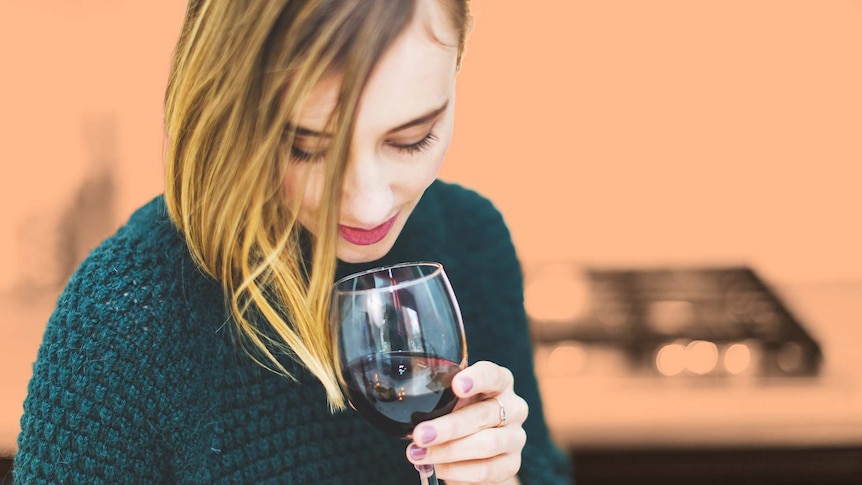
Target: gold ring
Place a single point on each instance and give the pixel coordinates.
(502, 413)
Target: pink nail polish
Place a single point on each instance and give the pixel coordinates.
(466, 384)
(427, 434)
(417, 453)
(425, 470)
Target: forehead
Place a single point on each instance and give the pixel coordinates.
(415, 75)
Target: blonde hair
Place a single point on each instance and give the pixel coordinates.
(239, 71)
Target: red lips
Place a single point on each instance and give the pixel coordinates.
(366, 237)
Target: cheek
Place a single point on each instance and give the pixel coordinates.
(416, 175)
(435, 162)
(434, 168)
(428, 165)
(303, 192)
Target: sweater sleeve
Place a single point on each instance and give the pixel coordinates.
(491, 287)
(88, 417)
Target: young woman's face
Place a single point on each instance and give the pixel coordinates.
(403, 129)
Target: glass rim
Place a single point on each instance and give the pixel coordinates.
(438, 269)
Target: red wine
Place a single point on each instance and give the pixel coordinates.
(395, 391)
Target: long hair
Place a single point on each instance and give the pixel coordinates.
(240, 70)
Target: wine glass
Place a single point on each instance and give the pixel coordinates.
(399, 340)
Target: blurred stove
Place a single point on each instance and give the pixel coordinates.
(674, 322)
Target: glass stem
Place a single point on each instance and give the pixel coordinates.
(428, 477)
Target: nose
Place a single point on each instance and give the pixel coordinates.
(367, 199)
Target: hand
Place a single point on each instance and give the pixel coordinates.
(473, 444)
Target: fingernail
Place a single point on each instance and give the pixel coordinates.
(466, 384)
(417, 453)
(427, 434)
(425, 470)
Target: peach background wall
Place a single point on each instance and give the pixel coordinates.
(608, 132)
(646, 131)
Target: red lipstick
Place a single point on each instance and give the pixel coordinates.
(366, 237)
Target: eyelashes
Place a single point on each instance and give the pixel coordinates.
(419, 146)
(301, 156)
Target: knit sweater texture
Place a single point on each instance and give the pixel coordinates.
(138, 379)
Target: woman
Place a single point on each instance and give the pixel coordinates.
(192, 346)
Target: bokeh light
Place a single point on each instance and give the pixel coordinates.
(671, 359)
(737, 358)
(567, 359)
(670, 316)
(701, 357)
(791, 358)
(556, 293)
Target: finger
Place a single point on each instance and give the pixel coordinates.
(472, 418)
(483, 445)
(493, 470)
(482, 378)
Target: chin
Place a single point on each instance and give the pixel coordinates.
(351, 253)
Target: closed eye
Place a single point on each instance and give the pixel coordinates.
(299, 155)
(417, 147)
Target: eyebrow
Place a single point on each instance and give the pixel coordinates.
(425, 118)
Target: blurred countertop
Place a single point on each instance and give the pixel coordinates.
(618, 411)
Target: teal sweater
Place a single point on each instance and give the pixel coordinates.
(137, 379)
